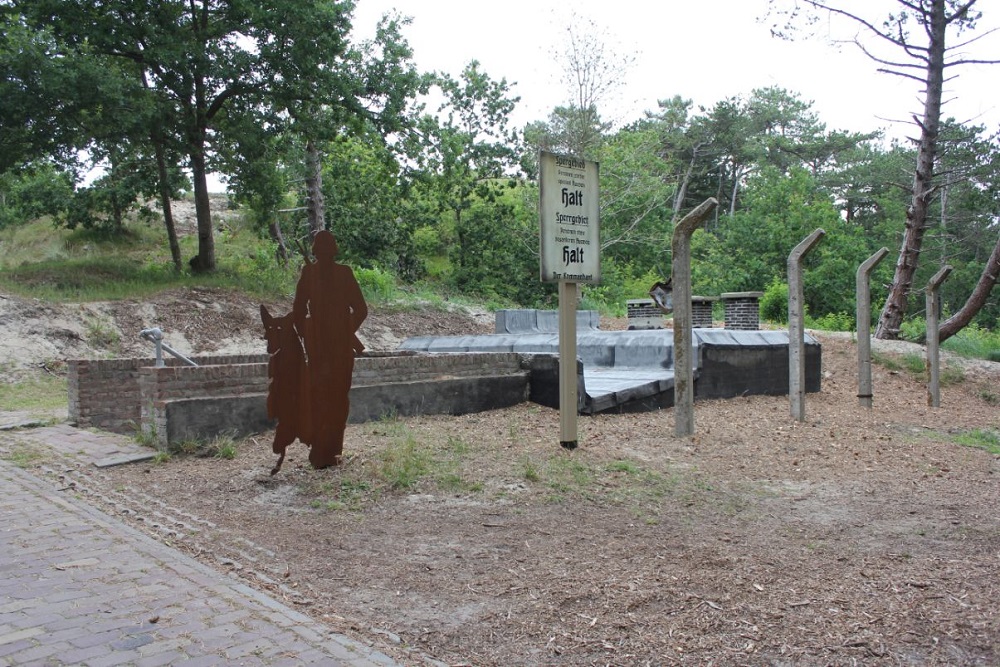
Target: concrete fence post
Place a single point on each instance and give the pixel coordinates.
(683, 348)
(864, 324)
(796, 326)
(933, 357)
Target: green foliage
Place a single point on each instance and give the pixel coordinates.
(436, 198)
(986, 439)
(913, 329)
(377, 286)
(774, 302)
(780, 210)
(974, 341)
(619, 283)
(831, 322)
(39, 190)
(362, 190)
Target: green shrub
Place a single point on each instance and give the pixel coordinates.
(832, 322)
(913, 330)
(774, 302)
(377, 285)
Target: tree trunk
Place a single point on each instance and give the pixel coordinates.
(916, 214)
(168, 212)
(682, 189)
(976, 300)
(275, 230)
(315, 205)
(205, 259)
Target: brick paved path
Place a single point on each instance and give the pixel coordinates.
(80, 588)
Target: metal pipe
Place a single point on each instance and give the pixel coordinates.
(155, 335)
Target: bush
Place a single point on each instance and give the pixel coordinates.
(774, 302)
(913, 330)
(377, 286)
(832, 322)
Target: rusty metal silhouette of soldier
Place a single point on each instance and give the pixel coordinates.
(327, 312)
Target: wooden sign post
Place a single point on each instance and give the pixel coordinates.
(569, 214)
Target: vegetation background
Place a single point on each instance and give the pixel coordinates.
(421, 176)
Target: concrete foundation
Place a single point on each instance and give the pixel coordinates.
(617, 371)
(633, 370)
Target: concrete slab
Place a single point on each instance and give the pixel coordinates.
(623, 367)
(123, 459)
(530, 320)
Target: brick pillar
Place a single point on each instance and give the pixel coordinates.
(643, 314)
(701, 311)
(742, 310)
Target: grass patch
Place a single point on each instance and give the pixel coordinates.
(348, 487)
(102, 334)
(951, 374)
(915, 365)
(55, 264)
(404, 463)
(986, 439)
(45, 392)
(222, 447)
(24, 455)
(910, 362)
(529, 470)
(621, 481)
(989, 396)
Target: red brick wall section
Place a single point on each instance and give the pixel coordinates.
(105, 393)
(129, 395)
(102, 393)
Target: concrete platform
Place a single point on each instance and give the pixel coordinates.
(631, 370)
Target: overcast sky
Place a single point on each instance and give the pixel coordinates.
(705, 50)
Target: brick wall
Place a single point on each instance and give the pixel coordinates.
(158, 386)
(129, 395)
(104, 393)
(742, 310)
(643, 314)
(701, 311)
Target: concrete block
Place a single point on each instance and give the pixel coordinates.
(522, 320)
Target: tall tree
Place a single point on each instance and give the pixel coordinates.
(966, 222)
(469, 151)
(924, 54)
(205, 59)
(593, 71)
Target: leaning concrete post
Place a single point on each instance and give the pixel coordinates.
(683, 349)
(933, 358)
(864, 320)
(796, 326)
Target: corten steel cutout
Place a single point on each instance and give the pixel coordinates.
(312, 353)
